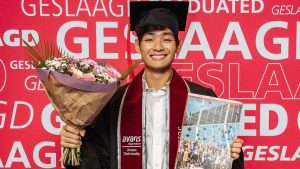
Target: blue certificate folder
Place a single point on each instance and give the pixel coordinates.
(209, 126)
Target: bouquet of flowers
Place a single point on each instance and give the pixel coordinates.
(78, 88)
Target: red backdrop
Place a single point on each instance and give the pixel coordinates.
(246, 50)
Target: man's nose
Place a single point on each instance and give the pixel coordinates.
(158, 46)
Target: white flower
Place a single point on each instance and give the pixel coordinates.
(76, 73)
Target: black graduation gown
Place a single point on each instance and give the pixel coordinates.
(99, 146)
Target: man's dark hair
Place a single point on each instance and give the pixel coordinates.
(141, 31)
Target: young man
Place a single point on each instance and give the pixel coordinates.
(139, 126)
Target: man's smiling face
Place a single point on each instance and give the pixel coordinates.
(158, 49)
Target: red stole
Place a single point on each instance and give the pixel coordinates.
(131, 135)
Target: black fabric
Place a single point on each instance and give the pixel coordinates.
(99, 146)
(169, 14)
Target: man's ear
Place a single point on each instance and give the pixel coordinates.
(179, 46)
(137, 46)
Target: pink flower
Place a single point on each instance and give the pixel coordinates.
(112, 72)
(89, 77)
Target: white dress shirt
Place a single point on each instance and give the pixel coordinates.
(157, 128)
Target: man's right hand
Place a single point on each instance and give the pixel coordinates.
(71, 137)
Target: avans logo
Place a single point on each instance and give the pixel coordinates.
(2, 75)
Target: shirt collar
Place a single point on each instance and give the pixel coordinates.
(146, 87)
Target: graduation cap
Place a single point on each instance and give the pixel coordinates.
(169, 14)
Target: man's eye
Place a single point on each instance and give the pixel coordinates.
(148, 40)
(168, 40)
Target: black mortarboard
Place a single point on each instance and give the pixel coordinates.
(169, 14)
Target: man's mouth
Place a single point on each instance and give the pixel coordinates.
(158, 57)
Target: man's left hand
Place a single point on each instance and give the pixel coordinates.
(235, 148)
